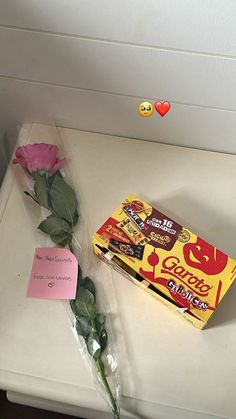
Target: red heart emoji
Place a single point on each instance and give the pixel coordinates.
(162, 107)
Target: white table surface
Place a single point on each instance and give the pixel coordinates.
(169, 369)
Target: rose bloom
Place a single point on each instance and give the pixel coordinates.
(33, 157)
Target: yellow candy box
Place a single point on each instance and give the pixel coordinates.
(176, 266)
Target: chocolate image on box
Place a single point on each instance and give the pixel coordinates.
(131, 250)
(133, 232)
(135, 218)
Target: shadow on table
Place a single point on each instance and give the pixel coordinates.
(226, 313)
(9, 410)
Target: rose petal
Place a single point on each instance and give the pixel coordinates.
(57, 166)
(41, 156)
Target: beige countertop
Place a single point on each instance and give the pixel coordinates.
(169, 369)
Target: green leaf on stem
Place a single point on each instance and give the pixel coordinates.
(87, 283)
(93, 345)
(58, 229)
(54, 225)
(63, 200)
(103, 337)
(50, 179)
(100, 318)
(84, 325)
(102, 334)
(84, 304)
(62, 239)
(78, 329)
(99, 322)
(72, 304)
(75, 218)
(41, 188)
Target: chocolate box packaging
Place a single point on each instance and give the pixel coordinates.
(169, 261)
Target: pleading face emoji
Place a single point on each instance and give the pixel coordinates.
(145, 109)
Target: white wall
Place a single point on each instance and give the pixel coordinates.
(88, 64)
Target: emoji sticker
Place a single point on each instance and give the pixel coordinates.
(162, 107)
(145, 109)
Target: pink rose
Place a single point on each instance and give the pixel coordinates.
(33, 157)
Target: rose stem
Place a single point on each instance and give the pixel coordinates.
(100, 367)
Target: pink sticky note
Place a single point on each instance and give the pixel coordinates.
(54, 274)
